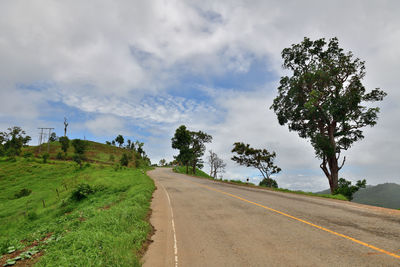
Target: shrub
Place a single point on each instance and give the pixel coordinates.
(64, 141)
(28, 155)
(45, 156)
(346, 189)
(23, 193)
(124, 160)
(59, 156)
(32, 216)
(112, 158)
(81, 192)
(268, 182)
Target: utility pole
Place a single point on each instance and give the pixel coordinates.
(65, 126)
(42, 137)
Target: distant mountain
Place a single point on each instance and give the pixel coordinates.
(382, 195)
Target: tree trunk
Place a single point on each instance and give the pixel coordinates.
(194, 167)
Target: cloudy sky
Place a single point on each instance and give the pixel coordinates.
(142, 68)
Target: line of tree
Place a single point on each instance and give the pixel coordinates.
(134, 147)
(191, 146)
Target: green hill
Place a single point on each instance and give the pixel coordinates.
(382, 195)
(95, 153)
(56, 214)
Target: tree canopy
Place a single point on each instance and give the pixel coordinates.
(324, 100)
(260, 159)
(12, 141)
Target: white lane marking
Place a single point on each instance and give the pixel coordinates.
(173, 228)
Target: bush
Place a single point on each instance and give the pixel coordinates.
(64, 141)
(59, 156)
(346, 189)
(45, 156)
(28, 155)
(23, 193)
(124, 160)
(32, 216)
(112, 158)
(268, 182)
(81, 192)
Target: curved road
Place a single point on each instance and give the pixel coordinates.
(200, 222)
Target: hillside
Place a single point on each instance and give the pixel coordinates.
(56, 214)
(382, 195)
(96, 153)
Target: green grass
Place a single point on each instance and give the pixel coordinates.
(95, 153)
(200, 173)
(108, 228)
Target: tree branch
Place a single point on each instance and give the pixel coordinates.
(344, 159)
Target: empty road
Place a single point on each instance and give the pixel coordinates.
(200, 222)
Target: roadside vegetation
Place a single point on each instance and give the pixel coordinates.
(201, 174)
(64, 211)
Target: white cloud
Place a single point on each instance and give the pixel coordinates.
(116, 60)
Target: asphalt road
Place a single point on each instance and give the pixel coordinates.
(200, 222)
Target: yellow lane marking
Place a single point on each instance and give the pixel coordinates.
(303, 221)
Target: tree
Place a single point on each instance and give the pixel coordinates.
(80, 148)
(11, 142)
(346, 189)
(53, 137)
(124, 160)
(268, 182)
(324, 100)
(120, 140)
(64, 141)
(181, 141)
(260, 159)
(162, 162)
(216, 164)
(197, 149)
(140, 150)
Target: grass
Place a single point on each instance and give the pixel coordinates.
(95, 153)
(108, 228)
(200, 173)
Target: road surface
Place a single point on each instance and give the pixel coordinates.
(200, 222)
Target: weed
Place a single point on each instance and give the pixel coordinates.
(23, 193)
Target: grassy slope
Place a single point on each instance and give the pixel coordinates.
(96, 152)
(106, 229)
(200, 173)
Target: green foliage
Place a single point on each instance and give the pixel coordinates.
(324, 100)
(268, 182)
(197, 173)
(124, 160)
(23, 193)
(260, 159)
(64, 141)
(112, 158)
(45, 157)
(191, 146)
(181, 141)
(107, 229)
(53, 137)
(346, 189)
(120, 140)
(80, 146)
(59, 156)
(28, 155)
(11, 142)
(81, 192)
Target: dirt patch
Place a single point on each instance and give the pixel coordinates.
(25, 262)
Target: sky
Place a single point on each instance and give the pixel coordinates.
(143, 68)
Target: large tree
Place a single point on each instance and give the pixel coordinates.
(197, 148)
(324, 100)
(181, 141)
(260, 159)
